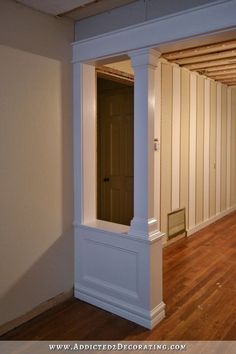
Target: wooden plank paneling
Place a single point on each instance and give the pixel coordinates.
(176, 139)
(184, 141)
(233, 148)
(200, 150)
(223, 148)
(212, 148)
(166, 128)
(192, 150)
(206, 148)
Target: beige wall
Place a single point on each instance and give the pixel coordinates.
(36, 241)
(233, 149)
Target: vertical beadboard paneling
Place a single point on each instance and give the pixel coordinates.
(166, 129)
(223, 163)
(218, 146)
(198, 140)
(233, 149)
(229, 112)
(206, 148)
(192, 151)
(212, 188)
(184, 141)
(200, 150)
(176, 139)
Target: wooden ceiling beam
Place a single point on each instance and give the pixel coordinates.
(206, 49)
(225, 81)
(224, 69)
(208, 57)
(208, 64)
(232, 75)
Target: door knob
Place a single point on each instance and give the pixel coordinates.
(106, 179)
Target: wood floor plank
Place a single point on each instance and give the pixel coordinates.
(199, 292)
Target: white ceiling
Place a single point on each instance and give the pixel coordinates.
(55, 7)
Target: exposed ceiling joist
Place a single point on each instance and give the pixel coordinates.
(206, 49)
(222, 68)
(217, 61)
(224, 75)
(207, 57)
(209, 64)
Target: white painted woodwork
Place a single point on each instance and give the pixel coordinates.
(218, 147)
(120, 274)
(117, 270)
(229, 127)
(220, 16)
(192, 152)
(210, 220)
(144, 63)
(206, 149)
(176, 139)
(84, 143)
(157, 135)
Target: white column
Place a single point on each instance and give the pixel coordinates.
(157, 191)
(144, 223)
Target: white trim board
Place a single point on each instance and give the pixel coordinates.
(213, 17)
(131, 313)
(210, 221)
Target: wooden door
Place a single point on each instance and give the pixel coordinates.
(115, 155)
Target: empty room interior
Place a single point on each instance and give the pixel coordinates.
(118, 170)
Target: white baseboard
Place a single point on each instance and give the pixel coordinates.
(120, 308)
(210, 221)
(58, 299)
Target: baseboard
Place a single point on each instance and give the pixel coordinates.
(210, 221)
(58, 299)
(120, 308)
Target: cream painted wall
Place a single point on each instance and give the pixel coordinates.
(233, 149)
(36, 198)
(216, 188)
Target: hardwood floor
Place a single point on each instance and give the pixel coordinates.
(199, 292)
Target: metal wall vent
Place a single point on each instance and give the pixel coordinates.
(176, 223)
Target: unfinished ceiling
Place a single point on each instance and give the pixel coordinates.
(75, 9)
(217, 61)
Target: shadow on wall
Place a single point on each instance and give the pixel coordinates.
(33, 288)
(36, 211)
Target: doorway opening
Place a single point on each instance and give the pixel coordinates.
(115, 122)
